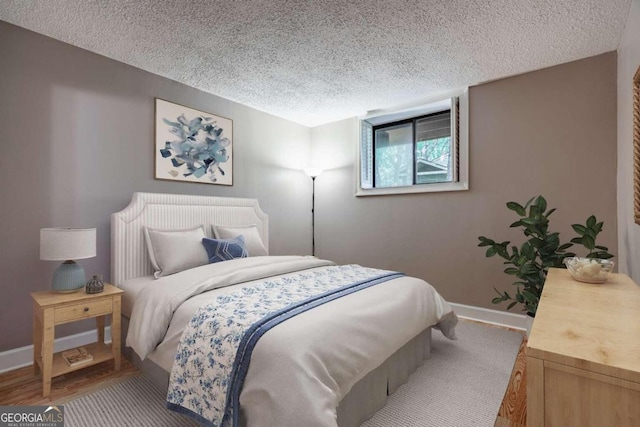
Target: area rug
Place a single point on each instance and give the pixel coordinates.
(133, 402)
(461, 385)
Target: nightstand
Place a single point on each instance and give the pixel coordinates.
(53, 308)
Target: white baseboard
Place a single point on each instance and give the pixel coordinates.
(494, 317)
(23, 356)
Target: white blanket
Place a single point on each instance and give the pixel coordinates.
(156, 303)
(302, 368)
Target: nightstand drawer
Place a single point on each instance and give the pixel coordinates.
(83, 310)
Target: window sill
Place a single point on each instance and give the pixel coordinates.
(423, 188)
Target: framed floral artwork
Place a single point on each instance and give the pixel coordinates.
(192, 145)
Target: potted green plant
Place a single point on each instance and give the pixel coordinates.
(540, 251)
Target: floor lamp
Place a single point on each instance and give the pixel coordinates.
(313, 173)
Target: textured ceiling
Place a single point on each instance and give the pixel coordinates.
(314, 62)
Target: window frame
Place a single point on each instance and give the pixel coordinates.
(413, 121)
(459, 110)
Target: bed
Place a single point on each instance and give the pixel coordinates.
(334, 364)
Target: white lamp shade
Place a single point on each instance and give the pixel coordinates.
(313, 172)
(61, 244)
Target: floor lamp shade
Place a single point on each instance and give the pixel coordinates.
(67, 244)
(313, 172)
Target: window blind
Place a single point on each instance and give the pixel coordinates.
(434, 126)
(366, 155)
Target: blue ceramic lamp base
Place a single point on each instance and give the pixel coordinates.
(69, 277)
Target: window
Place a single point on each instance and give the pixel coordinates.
(420, 150)
(414, 151)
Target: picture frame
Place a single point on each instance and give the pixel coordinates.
(636, 146)
(192, 145)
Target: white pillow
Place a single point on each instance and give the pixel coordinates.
(252, 239)
(172, 251)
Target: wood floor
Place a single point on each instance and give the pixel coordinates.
(22, 387)
(513, 410)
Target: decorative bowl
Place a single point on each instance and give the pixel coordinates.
(589, 270)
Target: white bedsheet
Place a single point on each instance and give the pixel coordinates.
(301, 369)
(132, 289)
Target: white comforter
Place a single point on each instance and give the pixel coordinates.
(302, 368)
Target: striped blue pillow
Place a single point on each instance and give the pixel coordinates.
(225, 249)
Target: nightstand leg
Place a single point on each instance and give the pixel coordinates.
(47, 351)
(100, 326)
(37, 339)
(115, 331)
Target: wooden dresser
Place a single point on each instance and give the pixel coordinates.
(583, 354)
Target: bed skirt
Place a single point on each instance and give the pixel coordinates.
(365, 398)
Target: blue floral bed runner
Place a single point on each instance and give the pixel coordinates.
(215, 349)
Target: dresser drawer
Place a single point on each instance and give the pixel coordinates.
(83, 310)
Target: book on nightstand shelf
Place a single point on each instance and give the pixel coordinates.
(77, 356)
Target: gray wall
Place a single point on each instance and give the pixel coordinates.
(628, 63)
(77, 141)
(550, 132)
(77, 136)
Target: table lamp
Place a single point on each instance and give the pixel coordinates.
(67, 244)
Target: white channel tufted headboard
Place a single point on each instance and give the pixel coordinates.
(129, 257)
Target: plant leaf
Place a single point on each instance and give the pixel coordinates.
(517, 208)
(542, 203)
(536, 243)
(580, 229)
(529, 202)
(564, 247)
(603, 255)
(588, 242)
(529, 297)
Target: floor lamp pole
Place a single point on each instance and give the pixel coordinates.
(313, 173)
